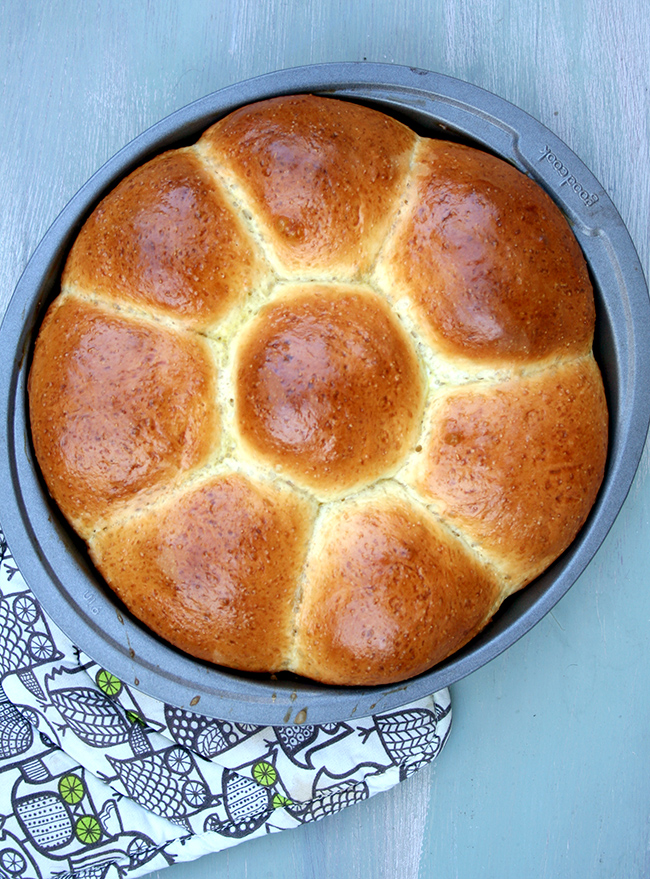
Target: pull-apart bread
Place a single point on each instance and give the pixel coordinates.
(319, 394)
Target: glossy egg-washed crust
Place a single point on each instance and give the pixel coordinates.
(319, 393)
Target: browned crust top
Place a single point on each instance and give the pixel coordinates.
(118, 406)
(314, 370)
(489, 261)
(320, 175)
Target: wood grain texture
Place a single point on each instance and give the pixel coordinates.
(546, 770)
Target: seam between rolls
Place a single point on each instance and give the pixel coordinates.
(473, 548)
(401, 201)
(236, 196)
(290, 663)
(128, 309)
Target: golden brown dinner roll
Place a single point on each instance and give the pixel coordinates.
(214, 569)
(313, 369)
(167, 239)
(516, 465)
(119, 405)
(319, 392)
(320, 179)
(492, 269)
(388, 591)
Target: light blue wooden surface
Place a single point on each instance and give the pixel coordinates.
(547, 771)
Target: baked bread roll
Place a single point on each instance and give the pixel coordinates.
(318, 393)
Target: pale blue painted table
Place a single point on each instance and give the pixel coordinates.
(547, 771)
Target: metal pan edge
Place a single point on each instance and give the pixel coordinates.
(50, 558)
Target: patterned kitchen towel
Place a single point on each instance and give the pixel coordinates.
(99, 780)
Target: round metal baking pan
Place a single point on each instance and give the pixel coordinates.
(52, 559)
